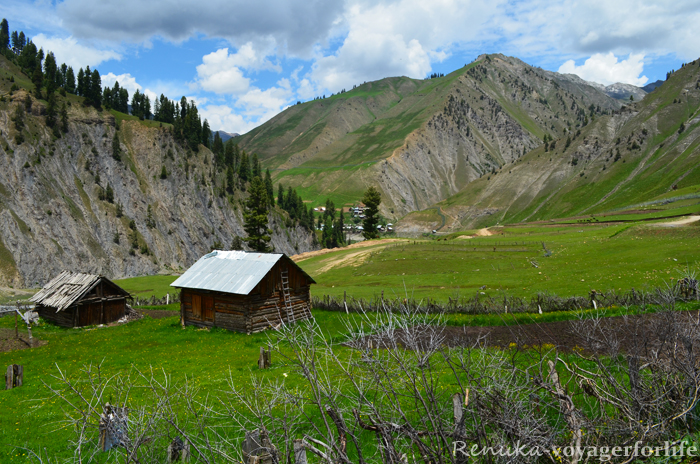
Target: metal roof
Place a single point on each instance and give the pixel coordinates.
(67, 288)
(230, 271)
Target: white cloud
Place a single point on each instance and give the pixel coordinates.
(264, 104)
(128, 82)
(250, 110)
(220, 73)
(606, 69)
(69, 51)
(398, 38)
(222, 117)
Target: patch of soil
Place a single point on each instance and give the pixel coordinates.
(642, 334)
(158, 313)
(485, 232)
(364, 244)
(8, 342)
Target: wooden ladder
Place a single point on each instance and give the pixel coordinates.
(288, 300)
(287, 297)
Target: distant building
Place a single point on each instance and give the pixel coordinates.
(79, 300)
(244, 291)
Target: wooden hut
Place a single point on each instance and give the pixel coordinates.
(244, 291)
(78, 300)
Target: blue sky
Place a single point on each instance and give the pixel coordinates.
(243, 62)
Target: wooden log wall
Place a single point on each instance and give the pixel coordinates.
(247, 313)
(91, 312)
(61, 318)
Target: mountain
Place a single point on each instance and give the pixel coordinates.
(618, 90)
(61, 196)
(650, 87)
(625, 91)
(647, 150)
(227, 135)
(421, 141)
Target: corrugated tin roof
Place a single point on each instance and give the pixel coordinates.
(65, 289)
(229, 271)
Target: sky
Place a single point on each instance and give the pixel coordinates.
(243, 62)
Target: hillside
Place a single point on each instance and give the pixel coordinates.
(67, 203)
(421, 141)
(647, 151)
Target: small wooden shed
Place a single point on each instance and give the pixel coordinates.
(78, 300)
(244, 291)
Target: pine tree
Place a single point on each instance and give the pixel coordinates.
(327, 233)
(244, 168)
(116, 148)
(69, 83)
(51, 110)
(15, 42)
(4, 34)
(22, 41)
(218, 149)
(371, 199)
(64, 118)
(37, 80)
(339, 230)
(255, 166)
(237, 243)
(330, 209)
(150, 222)
(80, 91)
(255, 216)
(50, 72)
(269, 187)
(229, 155)
(206, 134)
(230, 179)
(280, 197)
(109, 194)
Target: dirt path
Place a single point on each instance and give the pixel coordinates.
(680, 222)
(365, 244)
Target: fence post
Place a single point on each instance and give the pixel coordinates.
(299, 452)
(178, 451)
(10, 377)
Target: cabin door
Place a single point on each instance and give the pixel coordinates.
(208, 308)
(197, 306)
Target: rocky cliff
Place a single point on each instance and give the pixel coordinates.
(67, 203)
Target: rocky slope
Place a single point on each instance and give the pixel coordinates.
(421, 141)
(54, 210)
(647, 150)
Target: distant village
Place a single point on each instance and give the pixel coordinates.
(358, 214)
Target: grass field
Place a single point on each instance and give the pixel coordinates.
(583, 257)
(147, 286)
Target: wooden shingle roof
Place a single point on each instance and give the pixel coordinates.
(67, 288)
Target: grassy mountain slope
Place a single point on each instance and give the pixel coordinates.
(633, 156)
(421, 141)
(53, 211)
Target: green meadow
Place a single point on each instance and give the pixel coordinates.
(516, 262)
(571, 259)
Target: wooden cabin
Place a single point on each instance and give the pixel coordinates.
(79, 300)
(244, 291)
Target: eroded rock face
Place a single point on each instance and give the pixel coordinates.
(54, 213)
